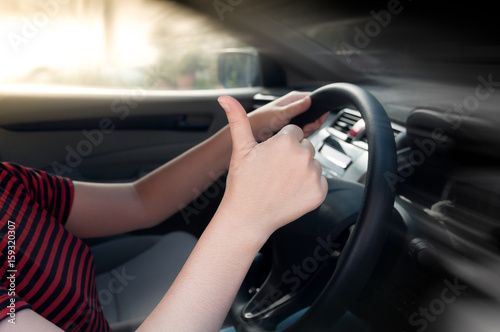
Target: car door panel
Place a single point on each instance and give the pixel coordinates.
(110, 135)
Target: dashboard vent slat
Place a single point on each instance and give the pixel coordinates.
(346, 120)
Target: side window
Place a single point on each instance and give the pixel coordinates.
(159, 45)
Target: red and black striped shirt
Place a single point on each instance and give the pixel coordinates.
(42, 265)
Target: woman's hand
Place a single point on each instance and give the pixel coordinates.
(271, 117)
(269, 185)
(272, 183)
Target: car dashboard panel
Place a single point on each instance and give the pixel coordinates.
(341, 144)
(447, 207)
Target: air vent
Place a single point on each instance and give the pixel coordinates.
(346, 120)
(344, 123)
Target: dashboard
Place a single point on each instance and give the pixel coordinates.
(341, 145)
(447, 206)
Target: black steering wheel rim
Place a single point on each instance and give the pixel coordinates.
(365, 243)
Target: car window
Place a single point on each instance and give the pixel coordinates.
(113, 44)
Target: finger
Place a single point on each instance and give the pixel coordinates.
(323, 182)
(298, 107)
(324, 186)
(317, 166)
(292, 130)
(323, 118)
(292, 97)
(310, 128)
(308, 145)
(239, 125)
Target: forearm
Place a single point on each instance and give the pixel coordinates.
(100, 210)
(203, 292)
(289, 184)
(164, 191)
(107, 209)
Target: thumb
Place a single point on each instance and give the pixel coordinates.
(239, 125)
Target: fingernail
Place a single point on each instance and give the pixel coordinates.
(224, 105)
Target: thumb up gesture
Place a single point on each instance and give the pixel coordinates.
(272, 183)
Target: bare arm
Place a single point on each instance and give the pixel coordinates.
(269, 185)
(27, 320)
(250, 211)
(107, 209)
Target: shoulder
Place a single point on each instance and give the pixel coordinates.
(15, 171)
(31, 177)
(10, 168)
(52, 193)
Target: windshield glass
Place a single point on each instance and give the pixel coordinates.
(115, 44)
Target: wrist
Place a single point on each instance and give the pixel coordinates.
(244, 228)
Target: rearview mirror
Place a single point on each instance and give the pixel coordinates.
(238, 68)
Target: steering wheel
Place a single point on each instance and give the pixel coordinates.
(328, 263)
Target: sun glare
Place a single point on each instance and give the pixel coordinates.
(109, 44)
(57, 41)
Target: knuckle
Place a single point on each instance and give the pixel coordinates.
(286, 138)
(305, 154)
(320, 194)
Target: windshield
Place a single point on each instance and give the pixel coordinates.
(115, 44)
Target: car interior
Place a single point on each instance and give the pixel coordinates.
(408, 238)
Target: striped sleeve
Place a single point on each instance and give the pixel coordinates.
(10, 303)
(54, 193)
(48, 269)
